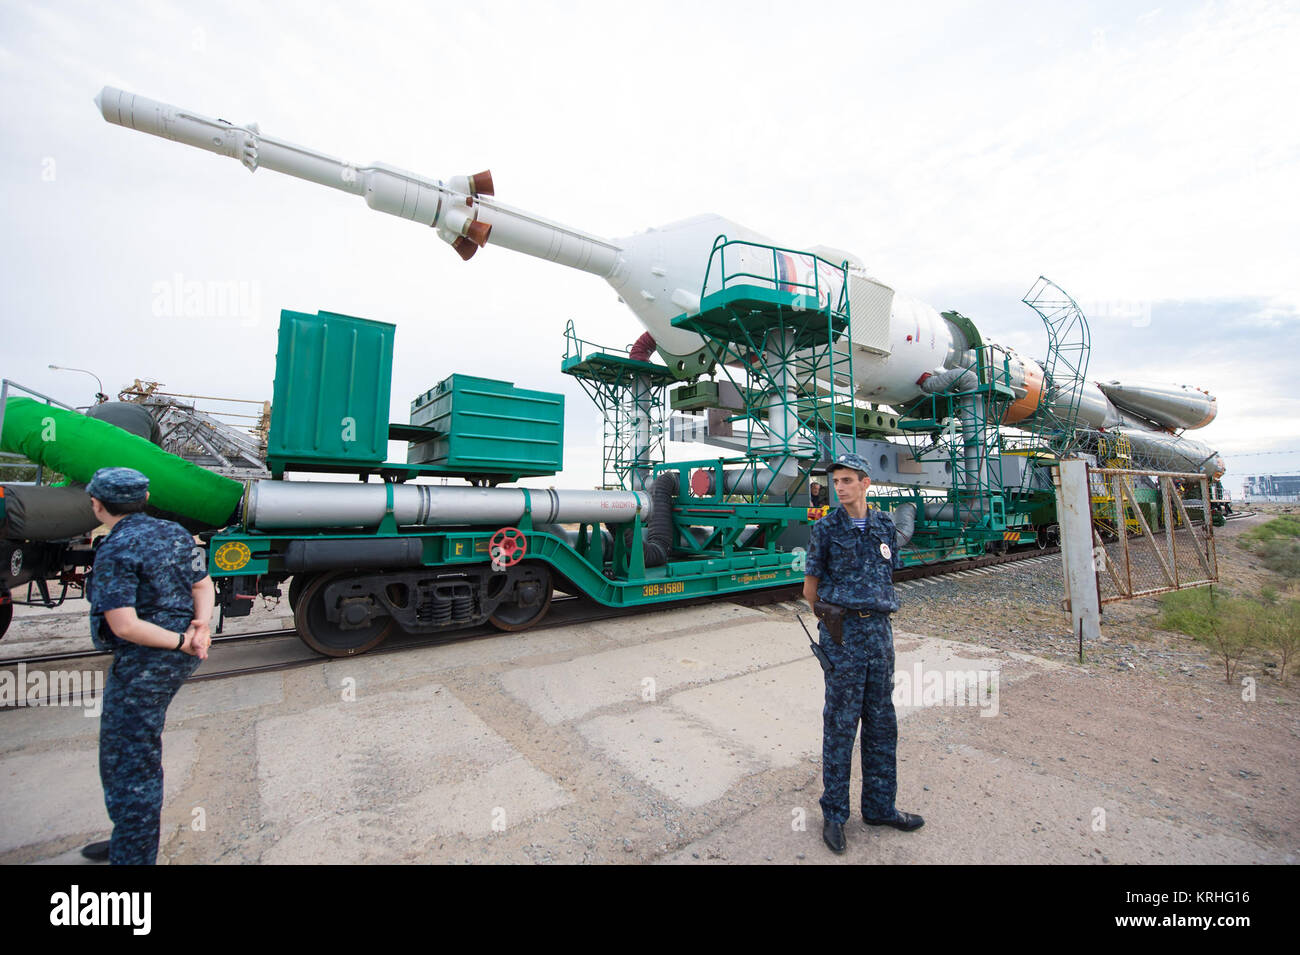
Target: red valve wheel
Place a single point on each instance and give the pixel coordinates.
(508, 546)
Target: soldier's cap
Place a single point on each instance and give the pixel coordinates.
(849, 460)
(118, 486)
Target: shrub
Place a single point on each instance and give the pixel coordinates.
(1281, 633)
(1228, 626)
(1192, 612)
(1281, 556)
(1277, 528)
(1277, 542)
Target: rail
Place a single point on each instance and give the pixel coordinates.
(5, 385)
(785, 272)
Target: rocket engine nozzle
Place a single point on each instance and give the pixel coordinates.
(461, 227)
(479, 184)
(478, 232)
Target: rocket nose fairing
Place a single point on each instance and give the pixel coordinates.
(1172, 406)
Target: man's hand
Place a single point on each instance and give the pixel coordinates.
(198, 634)
(198, 638)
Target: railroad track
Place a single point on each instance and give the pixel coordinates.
(91, 654)
(566, 610)
(958, 567)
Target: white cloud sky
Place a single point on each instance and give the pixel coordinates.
(1133, 154)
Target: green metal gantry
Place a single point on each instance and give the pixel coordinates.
(629, 394)
(775, 337)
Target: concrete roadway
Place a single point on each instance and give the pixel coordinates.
(681, 736)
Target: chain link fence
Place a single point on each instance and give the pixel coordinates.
(1152, 532)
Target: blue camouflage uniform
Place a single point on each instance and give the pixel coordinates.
(151, 565)
(855, 570)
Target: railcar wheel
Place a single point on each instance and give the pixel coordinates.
(297, 584)
(328, 637)
(528, 603)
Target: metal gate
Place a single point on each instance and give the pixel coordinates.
(1152, 532)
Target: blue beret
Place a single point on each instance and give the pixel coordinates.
(118, 486)
(849, 460)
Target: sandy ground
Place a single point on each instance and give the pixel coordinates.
(694, 736)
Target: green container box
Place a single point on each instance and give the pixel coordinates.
(702, 394)
(489, 426)
(333, 376)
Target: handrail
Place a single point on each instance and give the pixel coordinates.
(573, 344)
(5, 385)
(776, 280)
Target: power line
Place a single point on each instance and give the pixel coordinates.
(1256, 454)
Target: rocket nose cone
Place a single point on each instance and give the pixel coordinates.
(109, 102)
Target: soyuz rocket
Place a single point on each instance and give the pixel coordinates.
(898, 343)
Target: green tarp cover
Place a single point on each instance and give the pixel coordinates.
(78, 446)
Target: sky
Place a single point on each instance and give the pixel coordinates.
(1146, 158)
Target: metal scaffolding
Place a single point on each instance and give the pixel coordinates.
(781, 343)
(629, 394)
(203, 437)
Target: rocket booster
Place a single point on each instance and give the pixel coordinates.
(659, 274)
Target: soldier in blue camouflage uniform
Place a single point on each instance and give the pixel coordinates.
(852, 554)
(150, 604)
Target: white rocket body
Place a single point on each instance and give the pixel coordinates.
(659, 273)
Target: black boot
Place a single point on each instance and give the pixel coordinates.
(96, 851)
(907, 821)
(833, 836)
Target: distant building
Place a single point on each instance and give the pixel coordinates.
(1272, 487)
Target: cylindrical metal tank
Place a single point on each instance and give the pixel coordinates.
(284, 505)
